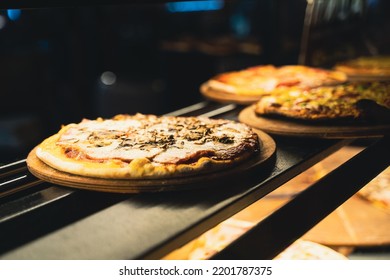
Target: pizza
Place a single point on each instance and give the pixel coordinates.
(147, 146)
(377, 67)
(263, 79)
(366, 101)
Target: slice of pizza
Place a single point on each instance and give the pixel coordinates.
(263, 79)
(148, 146)
(368, 101)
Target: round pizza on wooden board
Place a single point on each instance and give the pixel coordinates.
(352, 109)
(247, 85)
(132, 153)
(286, 127)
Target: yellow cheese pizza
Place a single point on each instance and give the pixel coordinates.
(263, 79)
(147, 146)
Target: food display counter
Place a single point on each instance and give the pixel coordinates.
(43, 220)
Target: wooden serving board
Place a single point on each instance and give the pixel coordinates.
(43, 171)
(226, 97)
(356, 223)
(298, 129)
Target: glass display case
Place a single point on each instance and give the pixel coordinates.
(67, 60)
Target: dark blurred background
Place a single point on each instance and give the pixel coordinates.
(62, 64)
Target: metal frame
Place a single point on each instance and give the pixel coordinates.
(45, 221)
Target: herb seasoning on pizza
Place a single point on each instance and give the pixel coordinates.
(353, 100)
(147, 146)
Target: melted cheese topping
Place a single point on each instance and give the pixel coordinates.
(336, 101)
(160, 139)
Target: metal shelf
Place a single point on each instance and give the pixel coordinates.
(45, 221)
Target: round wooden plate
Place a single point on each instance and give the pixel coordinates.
(43, 171)
(298, 129)
(226, 97)
(355, 223)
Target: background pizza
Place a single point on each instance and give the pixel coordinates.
(251, 83)
(368, 101)
(366, 68)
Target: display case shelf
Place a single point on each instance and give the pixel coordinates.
(40, 220)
